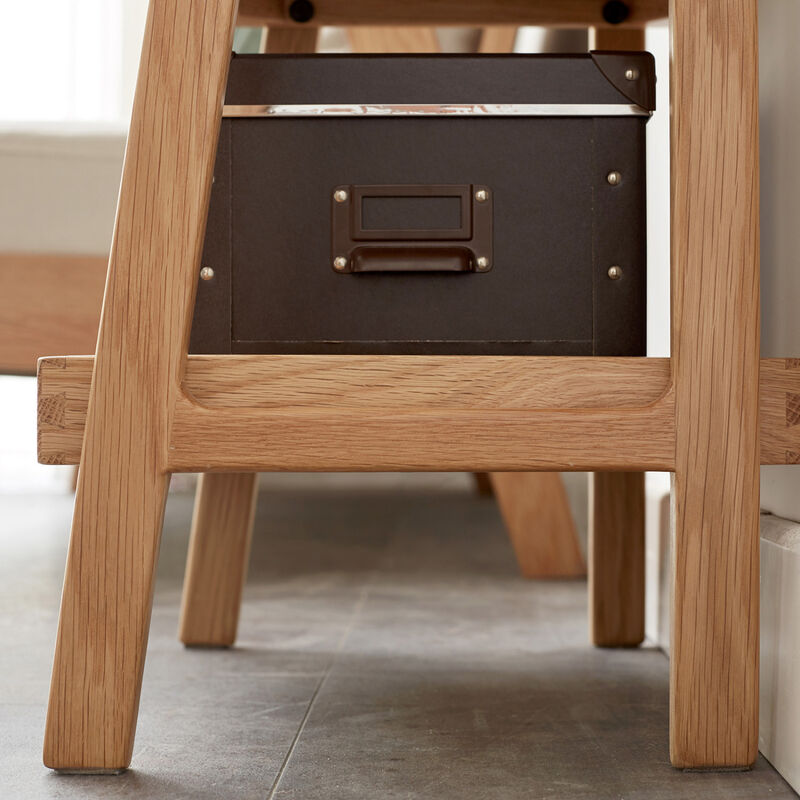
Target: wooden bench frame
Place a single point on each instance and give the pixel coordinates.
(144, 420)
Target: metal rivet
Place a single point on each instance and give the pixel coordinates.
(614, 178)
(615, 273)
(206, 273)
(340, 262)
(481, 195)
(631, 74)
(340, 195)
(483, 263)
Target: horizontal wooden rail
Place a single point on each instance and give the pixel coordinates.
(559, 13)
(417, 413)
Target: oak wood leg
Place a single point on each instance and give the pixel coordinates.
(616, 559)
(141, 350)
(539, 521)
(219, 548)
(715, 351)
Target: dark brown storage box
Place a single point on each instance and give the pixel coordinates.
(486, 227)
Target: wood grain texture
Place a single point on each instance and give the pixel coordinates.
(539, 521)
(397, 39)
(360, 389)
(421, 440)
(219, 548)
(616, 559)
(715, 353)
(144, 332)
(779, 390)
(555, 13)
(49, 303)
(616, 503)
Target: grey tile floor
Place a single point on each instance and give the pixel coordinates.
(387, 649)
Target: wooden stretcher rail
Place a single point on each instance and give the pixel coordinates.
(418, 413)
(332, 412)
(560, 13)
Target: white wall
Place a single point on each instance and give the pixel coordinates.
(780, 214)
(779, 729)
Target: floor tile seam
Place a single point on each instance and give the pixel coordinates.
(365, 590)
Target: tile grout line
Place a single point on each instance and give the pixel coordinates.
(345, 634)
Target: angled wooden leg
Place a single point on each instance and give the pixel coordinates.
(219, 548)
(222, 526)
(616, 559)
(715, 351)
(616, 503)
(122, 486)
(536, 511)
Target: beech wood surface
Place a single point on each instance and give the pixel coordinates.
(616, 504)
(144, 334)
(553, 13)
(715, 357)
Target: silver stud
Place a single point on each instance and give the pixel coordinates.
(483, 263)
(340, 195)
(481, 195)
(340, 262)
(631, 74)
(206, 273)
(614, 178)
(615, 273)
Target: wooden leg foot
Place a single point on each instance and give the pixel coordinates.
(616, 559)
(105, 618)
(218, 554)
